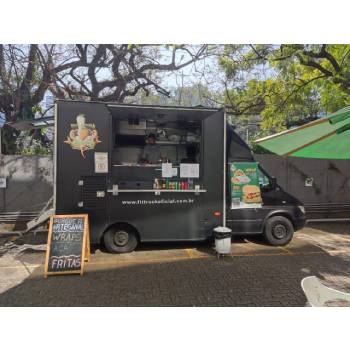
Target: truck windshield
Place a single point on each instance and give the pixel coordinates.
(264, 179)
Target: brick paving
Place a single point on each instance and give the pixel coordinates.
(256, 275)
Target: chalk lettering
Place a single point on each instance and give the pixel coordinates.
(59, 263)
(66, 248)
(66, 262)
(67, 237)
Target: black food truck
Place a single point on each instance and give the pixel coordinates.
(157, 173)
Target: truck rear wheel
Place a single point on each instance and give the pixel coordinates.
(120, 239)
(278, 230)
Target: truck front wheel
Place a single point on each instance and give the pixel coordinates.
(278, 230)
(120, 239)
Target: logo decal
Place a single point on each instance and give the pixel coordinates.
(82, 136)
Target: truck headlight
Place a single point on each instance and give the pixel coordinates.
(302, 209)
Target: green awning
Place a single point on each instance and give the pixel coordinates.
(336, 146)
(339, 116)
(327, 138)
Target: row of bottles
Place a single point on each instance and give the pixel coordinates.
(161, 184)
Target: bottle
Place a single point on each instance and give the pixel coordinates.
(155, 184)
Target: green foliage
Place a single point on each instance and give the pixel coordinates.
(35, 148)
(286, 84)
(27, 145)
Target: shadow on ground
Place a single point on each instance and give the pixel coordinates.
(262, 276)
(340, 228)
(230, 281)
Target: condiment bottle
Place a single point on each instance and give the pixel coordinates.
(156, 184)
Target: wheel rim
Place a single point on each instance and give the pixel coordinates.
(121, 238)
(280, 231)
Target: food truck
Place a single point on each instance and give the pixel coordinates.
(158, 173)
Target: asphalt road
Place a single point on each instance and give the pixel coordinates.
(184, 274)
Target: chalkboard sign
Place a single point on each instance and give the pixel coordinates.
(68, 244)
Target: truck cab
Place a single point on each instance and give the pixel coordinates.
(280, 213)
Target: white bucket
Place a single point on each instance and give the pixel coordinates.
(223, 245)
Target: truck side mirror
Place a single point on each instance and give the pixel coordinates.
(273, 183)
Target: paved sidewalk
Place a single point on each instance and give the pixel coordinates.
(186, 275)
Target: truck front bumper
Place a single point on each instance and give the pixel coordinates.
(299, 222)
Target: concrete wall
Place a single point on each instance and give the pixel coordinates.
(29, 182)
(329, 195)
(331, 178)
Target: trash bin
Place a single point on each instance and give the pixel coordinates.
(222, 240)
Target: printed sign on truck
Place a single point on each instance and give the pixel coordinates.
(245, 189)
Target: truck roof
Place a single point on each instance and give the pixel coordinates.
(144, 106)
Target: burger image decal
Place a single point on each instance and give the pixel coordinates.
(245, 189)
(82, 136)
(251, 194)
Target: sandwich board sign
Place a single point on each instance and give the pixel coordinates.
(68, 244)
(245, 188)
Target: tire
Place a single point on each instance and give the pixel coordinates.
(120, 239)
(278, 230)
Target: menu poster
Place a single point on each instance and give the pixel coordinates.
(189, 170)
(245, 188)
(68, 244)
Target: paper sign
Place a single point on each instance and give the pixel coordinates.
(2, 182)
(174, 171)
(101, 162)
(189, 170)
(309, 181)
(167, 170)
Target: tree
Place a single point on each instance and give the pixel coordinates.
(26, 72)
(286, 84)
(104, 72)
(111, 72)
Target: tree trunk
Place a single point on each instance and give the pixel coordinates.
(8, 139)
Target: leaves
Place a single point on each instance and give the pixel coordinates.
(286, 84)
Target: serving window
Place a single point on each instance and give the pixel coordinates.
(140, 141)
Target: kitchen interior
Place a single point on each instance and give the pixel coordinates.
(177, 139)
